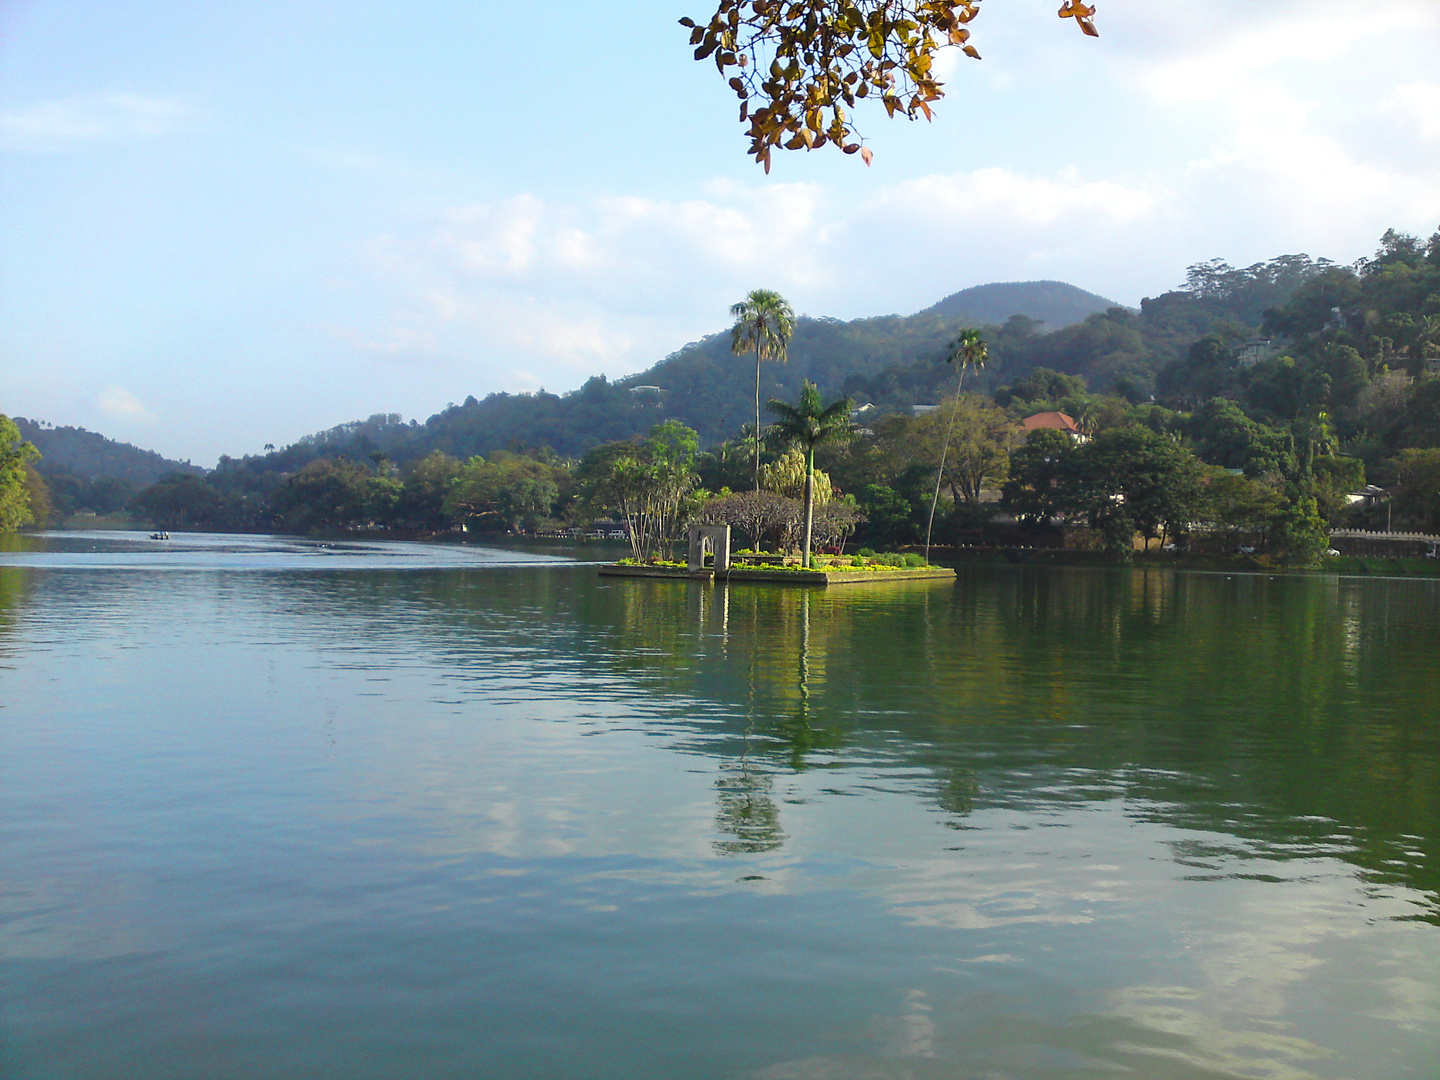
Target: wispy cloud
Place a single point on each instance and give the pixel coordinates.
(120, 404)
(51, 126)
(1419, 104)
(548, 291)
(570, 287)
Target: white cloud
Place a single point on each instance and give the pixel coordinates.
(396, 341)
(119, 404)
(613, 284)
(59, 125)
(554, 291)
(1296, 127)
(1418, 104)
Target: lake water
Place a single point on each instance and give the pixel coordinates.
(277, 809)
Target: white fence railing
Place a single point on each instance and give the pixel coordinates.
(1361, 534)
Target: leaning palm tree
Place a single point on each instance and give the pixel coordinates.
(967, 350)
(808, 424)
(764, 322)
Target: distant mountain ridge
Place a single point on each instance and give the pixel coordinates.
(1054, 303)
(704, 384)
(891, 361)
(87, 455)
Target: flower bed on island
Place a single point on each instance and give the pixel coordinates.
(826, 571)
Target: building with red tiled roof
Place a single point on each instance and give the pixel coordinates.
(1053, 421)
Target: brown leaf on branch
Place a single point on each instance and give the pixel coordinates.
(796, 58)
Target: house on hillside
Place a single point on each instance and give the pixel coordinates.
(1250, 353)
(862, 415)
(1052, 421)
(1367, 496)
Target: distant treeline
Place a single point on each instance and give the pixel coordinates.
(1304, 378)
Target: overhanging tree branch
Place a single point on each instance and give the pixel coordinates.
(797, 66)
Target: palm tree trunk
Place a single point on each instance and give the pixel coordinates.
(944, 451)
(809, 503)
(757, 415)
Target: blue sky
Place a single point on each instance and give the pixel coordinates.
(224, 225)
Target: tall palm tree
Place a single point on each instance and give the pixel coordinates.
(967, 350)
(764, 322)
(808, 424)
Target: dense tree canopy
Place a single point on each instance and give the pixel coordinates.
(1127, 480)
(645, 483)
(1417, 495)
(182, 500)
(15, 455)
(503, 493)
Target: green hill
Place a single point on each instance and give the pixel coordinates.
(87, 455)
(1052, 303)
(892, 361)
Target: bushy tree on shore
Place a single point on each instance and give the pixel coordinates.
(647, 483)
(15, 454)
(808, 424)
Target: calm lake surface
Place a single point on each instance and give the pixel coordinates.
(274, 809)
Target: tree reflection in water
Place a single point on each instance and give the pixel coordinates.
(747, 817)
(1295, 714)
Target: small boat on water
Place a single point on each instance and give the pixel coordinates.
(160, 536)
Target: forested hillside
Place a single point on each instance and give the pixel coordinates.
(87, 471)
(891, 361)
(90, 456)
(704, 385)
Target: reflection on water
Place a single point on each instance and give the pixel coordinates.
(504, 818)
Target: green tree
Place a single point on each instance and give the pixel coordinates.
(1417, 493)
(1298, 534)
(326, 495)
(1239, 505)
(764, 323)
(967, 350)
(427, 482)
(888, 513)
(1333, 477)
(42, 506)
(1421, 426)
(181, 501)
(509, 491)
(725, 465)
(1133, 480)
(787, 475)
(15, 454)
(1043, 477)
(1225, 436)
(807, 424)
(646, 483)
(979, 444)
(1040, 386)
